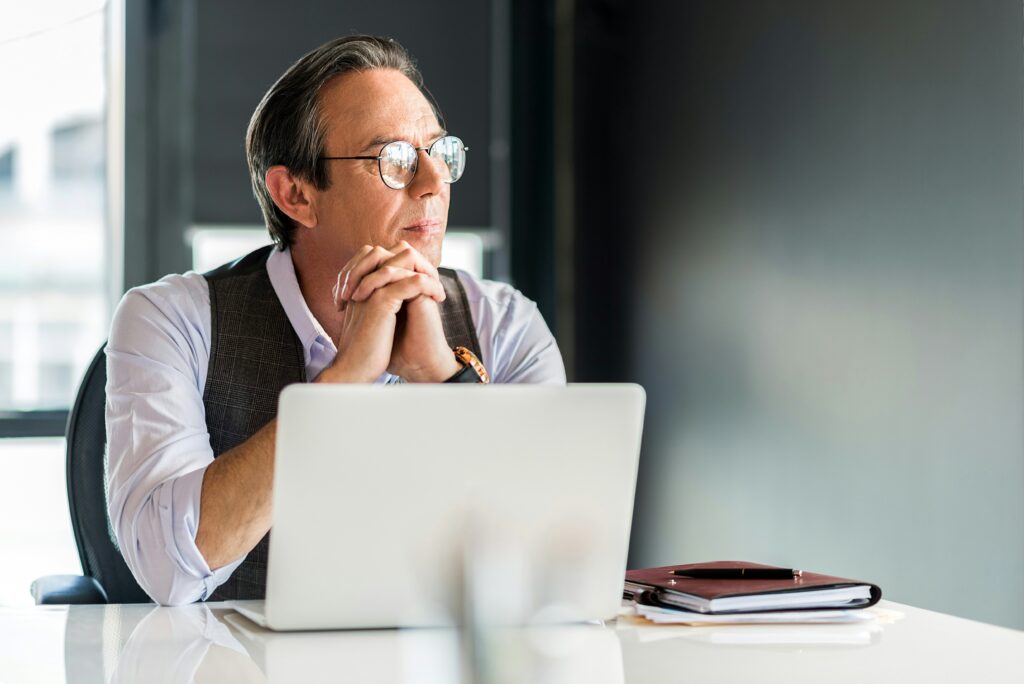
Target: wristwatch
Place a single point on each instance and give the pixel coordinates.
(472, 370)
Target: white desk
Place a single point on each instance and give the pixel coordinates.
(137, 643)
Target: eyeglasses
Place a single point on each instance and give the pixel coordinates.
(398, 161)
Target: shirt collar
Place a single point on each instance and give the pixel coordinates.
(282, 276)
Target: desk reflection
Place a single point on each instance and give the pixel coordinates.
(199, 644)
(780, 637)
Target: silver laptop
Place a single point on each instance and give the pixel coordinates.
(408, 506)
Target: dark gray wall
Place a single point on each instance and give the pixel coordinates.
(242, 49)
(800, 227)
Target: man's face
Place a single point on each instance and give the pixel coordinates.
(362, 112)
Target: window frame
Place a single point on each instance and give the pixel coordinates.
(37, 423)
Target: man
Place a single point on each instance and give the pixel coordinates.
(352, 168)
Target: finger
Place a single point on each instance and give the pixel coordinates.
(416, 285)
(339, 287)
(407, 260)
(410, 254)
(341, 282)
(359, 255)
(369, 262)
(382, 277)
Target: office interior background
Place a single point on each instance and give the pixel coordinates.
(799, 225)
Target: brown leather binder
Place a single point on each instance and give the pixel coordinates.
(808, 591)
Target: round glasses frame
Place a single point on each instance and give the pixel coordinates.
(400, 149)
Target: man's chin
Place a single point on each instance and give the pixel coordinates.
(427, 244)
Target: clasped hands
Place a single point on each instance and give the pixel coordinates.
(388, 300)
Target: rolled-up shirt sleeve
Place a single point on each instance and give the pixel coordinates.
(157, 440)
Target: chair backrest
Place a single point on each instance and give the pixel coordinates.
(86, 477)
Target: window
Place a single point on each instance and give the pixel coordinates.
(6, 170)
(53, 290)
(77, 153)
(54, 308)
(6, 378)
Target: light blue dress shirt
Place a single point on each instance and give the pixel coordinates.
(157, 441)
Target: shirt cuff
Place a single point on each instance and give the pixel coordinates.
(179, 502)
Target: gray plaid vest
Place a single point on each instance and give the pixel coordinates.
(254, 354)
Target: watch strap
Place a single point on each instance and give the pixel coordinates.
(467, 374)
(472, 369)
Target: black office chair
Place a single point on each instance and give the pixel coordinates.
(107, 578)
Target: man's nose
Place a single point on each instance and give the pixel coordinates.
(429, 176)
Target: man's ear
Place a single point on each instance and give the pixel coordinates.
(292, 195)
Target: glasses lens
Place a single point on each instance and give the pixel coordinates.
(450, 151)
(398, 164)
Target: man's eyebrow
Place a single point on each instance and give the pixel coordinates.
(380, 140)
(376, 143)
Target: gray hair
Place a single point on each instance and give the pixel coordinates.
(287, 127)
